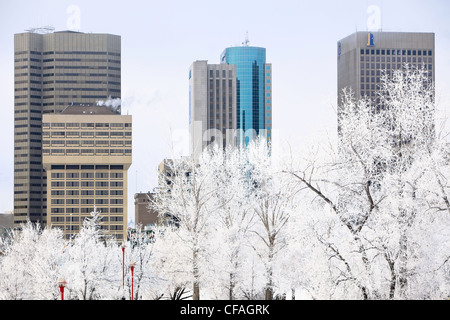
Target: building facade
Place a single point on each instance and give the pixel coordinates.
(254, 91)
(212, 105)
(230, 103)
(143, 213)
(363, 57)
(52, 71)
(87, 151)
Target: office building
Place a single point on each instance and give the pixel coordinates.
(230, 103)
(51, 71)
(87, 151)
(212, 105)
(253, 92)
(363, 57)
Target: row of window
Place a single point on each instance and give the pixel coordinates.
(65, 96)
(224, 73)
(87, 192)
(86, 125)
(398, 52)
(388, 66)
(73, 52)
(85, 152)
(74, 184)
(86, 201)
(87, 210)
(87, 175)
(103, 134)
(77, 219)
(86, 167)
(76, 143)
(395, 59)
(102, 227)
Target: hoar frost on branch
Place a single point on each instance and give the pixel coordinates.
(367, 217)
(379, 184)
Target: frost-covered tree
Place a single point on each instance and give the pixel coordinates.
(371, 183)
(92, 263)
(230, 223)
(272, 200)
(189, 198)
(141, 251)
(31, 264)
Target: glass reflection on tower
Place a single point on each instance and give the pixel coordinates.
(252, 94)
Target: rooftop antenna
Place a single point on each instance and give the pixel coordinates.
(245, 43)
(41, 30)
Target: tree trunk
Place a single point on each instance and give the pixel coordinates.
(402, 273)
(196, 287)
(196, 291)
(231, 289)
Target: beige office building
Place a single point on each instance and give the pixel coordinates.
(52, 71)
(87, 151)
(363, 57)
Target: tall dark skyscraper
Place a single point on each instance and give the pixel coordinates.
(52, 71)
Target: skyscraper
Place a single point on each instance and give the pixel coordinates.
(362, 57)
(52, 71)
(230, 101)
(212, 105)
(254, 90)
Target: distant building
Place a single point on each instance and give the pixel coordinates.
(212, 113)
(363, 57)
(87, 151)
(145, 215)
(253, 92)
(51, 71)
(6, 223)
(230, 103)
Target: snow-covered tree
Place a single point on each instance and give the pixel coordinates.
(92, 263)
(31, 264)
(189, 198)
(371, 184)
(272, 199)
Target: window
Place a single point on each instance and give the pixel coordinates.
(72, 175)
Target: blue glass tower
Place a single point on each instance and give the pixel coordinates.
(253, 90)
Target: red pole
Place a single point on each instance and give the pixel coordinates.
(132, 265)
(123, 266)
(61, 288)
(62, 284)
(132, 282)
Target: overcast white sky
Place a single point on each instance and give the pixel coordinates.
(160, 40)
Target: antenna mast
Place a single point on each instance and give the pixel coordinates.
(245, 43)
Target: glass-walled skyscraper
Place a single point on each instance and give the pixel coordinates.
(253, 91)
